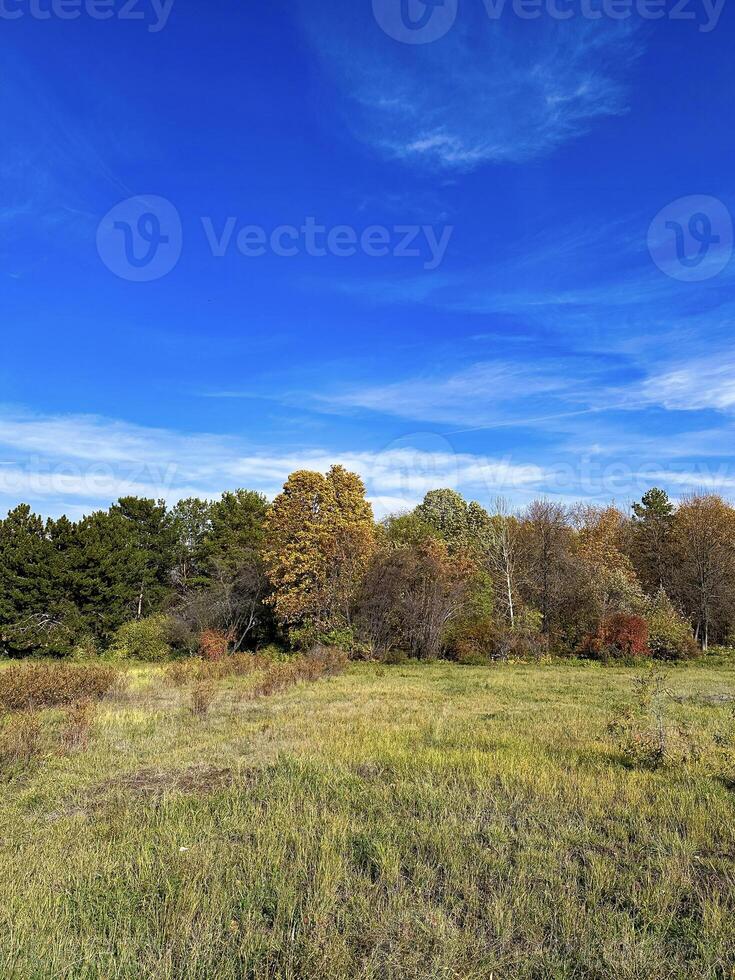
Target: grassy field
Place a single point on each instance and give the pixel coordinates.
(392, 822)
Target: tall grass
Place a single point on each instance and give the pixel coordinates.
(407, 822)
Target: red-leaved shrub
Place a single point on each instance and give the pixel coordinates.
(214, 644)
(619, 636)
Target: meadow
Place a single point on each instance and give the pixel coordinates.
(411, 821)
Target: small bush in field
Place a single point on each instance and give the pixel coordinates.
(24, 686)
(142, 639)
(201, 699)
(85, 649)
(77, 730)
(182, 672)
(214, 644)
(618, 637)
(319, 662)
(276, 678)
(642, 730)
(21, 738)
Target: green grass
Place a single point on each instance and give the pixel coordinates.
(399, 822)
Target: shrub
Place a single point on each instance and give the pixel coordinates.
(395, 658)
(303, 637)
(328, 661)
(182, 672)
(276, 678)
(85, 649)
(517, 644)
(716, 650)
(670, 635)
(642, 731)
(214, 644)
(274, 653)
(142, 639)
(21, 738)
(472, 658)
(480, 640)
(319, 662)
(472, 637)
(308, 637)
(24, 686)
(618, 637)
(201, 699)
(77, 730)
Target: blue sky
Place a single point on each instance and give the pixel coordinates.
(546, 337)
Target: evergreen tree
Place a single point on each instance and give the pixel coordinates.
(121, 567)
(191, 519)
(235, 532)
(36, 608)
(652, 543)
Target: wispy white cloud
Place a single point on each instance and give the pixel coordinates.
(82, 462)
(699, 383)
(76, 464)
(490, 91)
(499, 392)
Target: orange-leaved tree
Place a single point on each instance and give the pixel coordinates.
(320, 537)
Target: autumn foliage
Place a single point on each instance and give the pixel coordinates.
(320, 539)
(449, 578)
(214, 644)
(619, 636)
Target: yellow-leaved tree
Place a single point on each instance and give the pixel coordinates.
(320, 536)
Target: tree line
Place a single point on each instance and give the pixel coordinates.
(449, 578)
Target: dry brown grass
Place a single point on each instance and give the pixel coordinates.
(321, 662)
(154, 783)
(183, 672)
(24, 686)
(201, 698)
(21, 738)
(77, 730)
